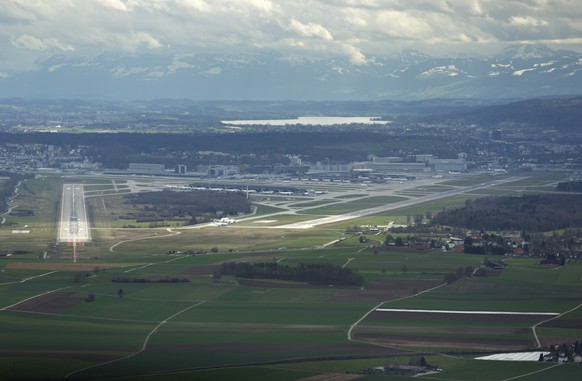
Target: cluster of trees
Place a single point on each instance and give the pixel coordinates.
(567, 243)
(565, 350)
(534, 213)
(147, 280)
(90, 297)
(117, 150)
(320, 273)
(553, 259)
(203, 205)
(250, 149)
(459, 273)
(570, 186)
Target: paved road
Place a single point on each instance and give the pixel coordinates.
(73, 225)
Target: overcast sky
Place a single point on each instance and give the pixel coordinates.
(356, 29)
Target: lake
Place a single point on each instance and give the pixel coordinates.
(308, 121)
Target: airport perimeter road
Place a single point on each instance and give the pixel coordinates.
(393, 206)
(73, 224)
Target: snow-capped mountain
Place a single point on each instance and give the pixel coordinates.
(525, 52)
(521, 71)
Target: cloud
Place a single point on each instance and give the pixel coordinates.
(355, 29)
(310, 30)
(264, 6)
(355, 55)
(402, 25)
(114, 4)
(213, 71)
(526, 21)
(26, 41)
(145, 39)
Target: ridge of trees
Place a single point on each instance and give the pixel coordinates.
(570, 186)
(533, 213)
(117, 150)
(168, 204)
(149, 280)
(319, 273)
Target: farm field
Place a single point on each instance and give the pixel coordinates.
(149, 303)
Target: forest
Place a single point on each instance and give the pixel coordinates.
(117, 150)
(198, 205)
(532, 213)
(318, 273)
(570, 186)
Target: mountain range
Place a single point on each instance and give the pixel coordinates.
(517, 72)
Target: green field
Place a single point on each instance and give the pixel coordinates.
(172, 318)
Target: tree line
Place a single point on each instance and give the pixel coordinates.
(117, 150)
(149, 280)
(533, 213)
(319, 273)
(570, 186)
(168, 204)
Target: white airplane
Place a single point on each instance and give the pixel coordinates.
(224, 221)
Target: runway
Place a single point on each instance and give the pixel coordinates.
(397, 205)
(73, 224)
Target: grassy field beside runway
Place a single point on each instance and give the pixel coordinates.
(350, 206)
(350, 196)
(93, 188)
(462, 181)
(277, 220)
(494, 192)
(224, 239)
(309, 204)
(42, 196)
